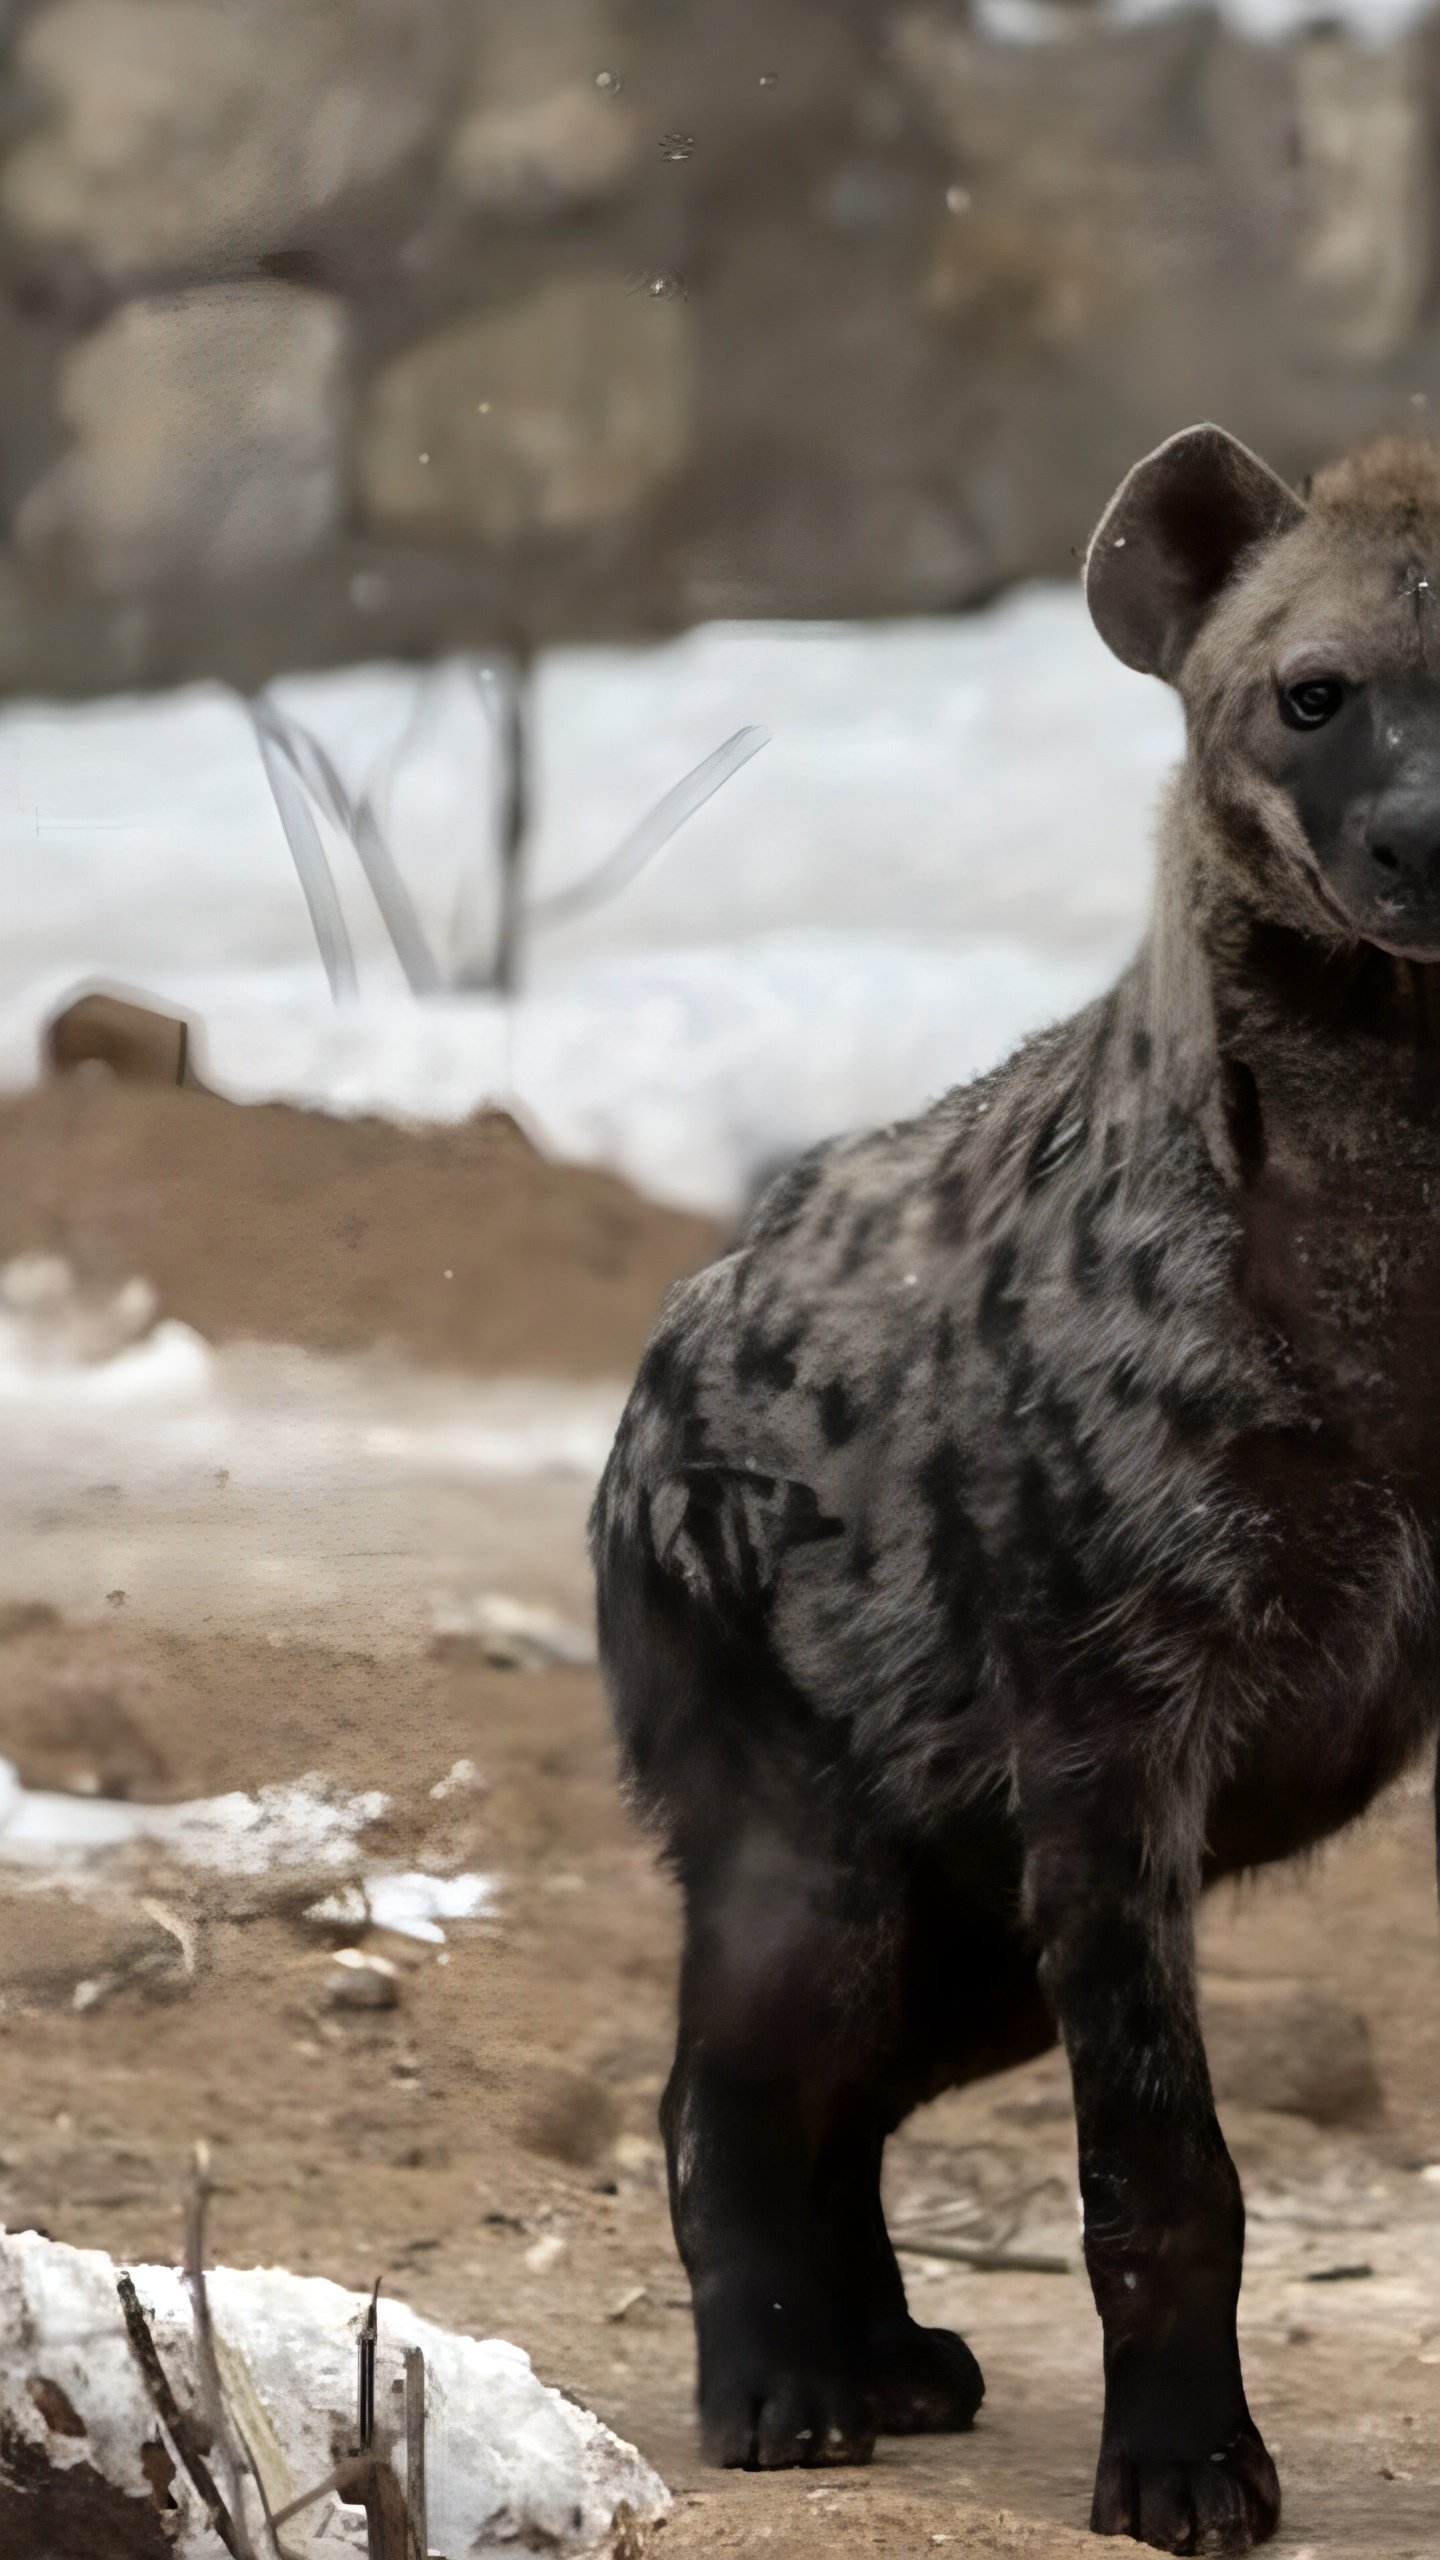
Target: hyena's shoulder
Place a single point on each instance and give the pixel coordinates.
(859, 1279)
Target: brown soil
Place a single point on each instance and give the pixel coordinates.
(510, 2100)
(463, 1248)
(490, 2144)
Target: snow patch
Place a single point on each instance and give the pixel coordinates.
(511, 2465)
(944, 845)
(307, 1824)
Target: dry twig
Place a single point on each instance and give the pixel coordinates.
(217, 2415)
(178, 2427)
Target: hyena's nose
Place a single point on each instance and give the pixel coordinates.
(1403, 840)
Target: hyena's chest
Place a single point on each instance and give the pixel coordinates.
(1343, 1274)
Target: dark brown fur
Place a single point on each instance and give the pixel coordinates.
(1037, 1516)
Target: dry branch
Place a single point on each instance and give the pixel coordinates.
(178, 2427)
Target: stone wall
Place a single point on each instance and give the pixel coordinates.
(345, 327)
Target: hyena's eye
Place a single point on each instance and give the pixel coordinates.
(1311, 704)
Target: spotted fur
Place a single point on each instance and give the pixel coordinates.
(1035, 1515)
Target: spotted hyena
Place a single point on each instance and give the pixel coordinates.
(1035, 1517)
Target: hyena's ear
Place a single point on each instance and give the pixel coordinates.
(1169, 539)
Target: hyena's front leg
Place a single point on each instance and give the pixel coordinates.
(1111, 1889)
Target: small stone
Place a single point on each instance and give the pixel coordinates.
(362, 1981)
(461, 1778)
(627, 2301)
(570, 2117)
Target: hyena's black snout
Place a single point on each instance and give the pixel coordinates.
(1402, 843)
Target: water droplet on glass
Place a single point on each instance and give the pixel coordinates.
(676, 146)
(610, 82)
(768, 79)
(957, 199)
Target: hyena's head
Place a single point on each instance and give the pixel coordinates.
(1304, 641)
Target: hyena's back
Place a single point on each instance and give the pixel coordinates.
(894, 1402)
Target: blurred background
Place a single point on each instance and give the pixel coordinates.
(332, 333)
(542, 670)
(604, 381)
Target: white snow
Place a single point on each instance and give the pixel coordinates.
(308, 1824)
(511, 2465)
(943, 844)
(306, 1827)
(1366, 22)
(78, 1374)
(414, 1904)
(135, 1452)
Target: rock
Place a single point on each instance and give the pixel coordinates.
(359, 1980)
(1292, 2049)
(570, 2116)
(588, 395)
(208, 434)
(134, 1043)
(183, 134)
(540, 132)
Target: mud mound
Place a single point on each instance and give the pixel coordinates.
(459, 1247)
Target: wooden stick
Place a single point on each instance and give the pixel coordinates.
(207, 2364)
(345, 2482)
(368, 2339)
(387, 2522)
(415, 2497)
(167, 2409)
(1000, 2262)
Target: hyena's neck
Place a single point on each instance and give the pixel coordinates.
(1318, 1054)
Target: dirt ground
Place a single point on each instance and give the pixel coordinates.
(489, 2144)
(459, 1247)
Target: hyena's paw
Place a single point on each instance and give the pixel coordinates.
(1227, 2503)
(783, 2419)
(923, 2381)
